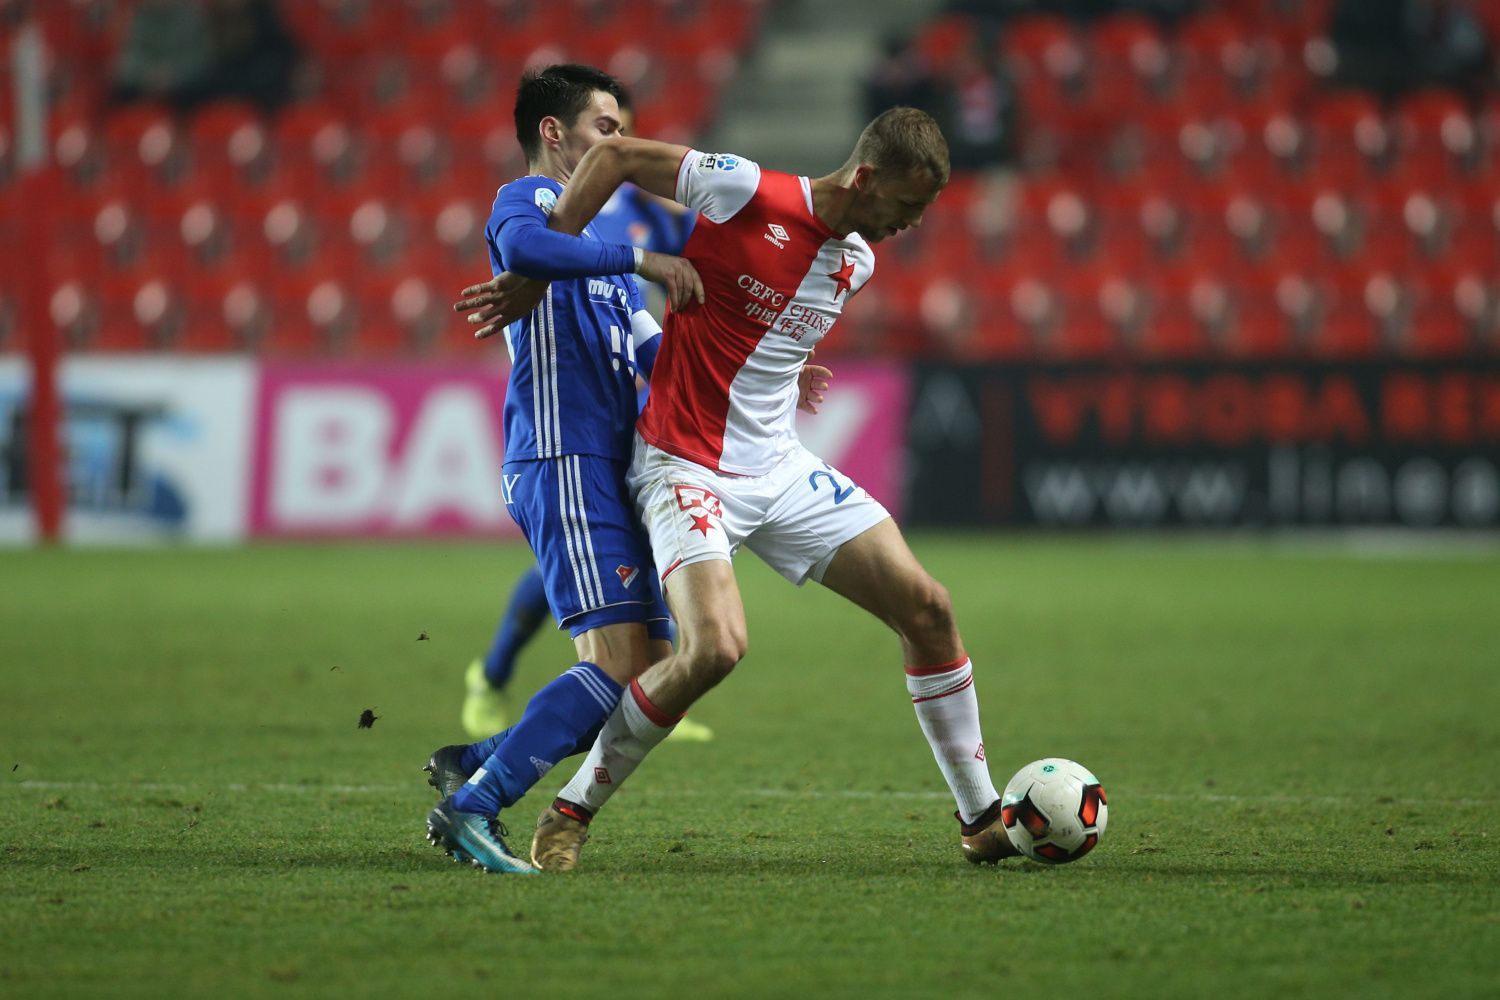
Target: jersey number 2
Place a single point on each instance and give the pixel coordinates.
(840, 493)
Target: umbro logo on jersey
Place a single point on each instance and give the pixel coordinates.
(777, 235)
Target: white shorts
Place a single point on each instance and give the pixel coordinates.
(795, 517)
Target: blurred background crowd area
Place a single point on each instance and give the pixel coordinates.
(1183, 179)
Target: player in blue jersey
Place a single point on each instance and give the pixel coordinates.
(569, 416)
(638, 219)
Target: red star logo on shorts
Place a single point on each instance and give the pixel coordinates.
(701, 523)
(841, 277)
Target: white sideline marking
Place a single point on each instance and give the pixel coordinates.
(761, 793)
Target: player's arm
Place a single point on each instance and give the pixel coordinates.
(650, 166)
(532, 250)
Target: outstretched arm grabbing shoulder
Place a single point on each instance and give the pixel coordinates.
(651, 166)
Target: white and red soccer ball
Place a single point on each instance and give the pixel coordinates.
(1054, 810)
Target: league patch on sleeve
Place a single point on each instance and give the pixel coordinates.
(546, 199)
(717, 161)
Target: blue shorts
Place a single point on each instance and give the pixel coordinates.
(580, 522)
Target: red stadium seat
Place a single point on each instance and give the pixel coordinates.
(941, 39)
(340, 30)
(398, 313)
(483, 143)
(74, 307)
(1266, 138)
(1364, 310)
(999, 333)
(313, 313)
(1435, 134)
(139, 311)
(1451, 309)
(1347, 127)
(1104, 310)
(405, 147)
(231, 136)
(1473, 245)
(1048, 61)
(1216, 56)
(316, 137)
(1128, 63)
(1172, 331)
(1258, 330)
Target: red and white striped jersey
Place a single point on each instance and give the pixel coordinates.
(724, 390)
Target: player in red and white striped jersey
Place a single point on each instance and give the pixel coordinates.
(717, 462)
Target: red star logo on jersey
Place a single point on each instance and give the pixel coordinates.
(841, 277)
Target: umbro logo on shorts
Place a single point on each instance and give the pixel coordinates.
(777, 235)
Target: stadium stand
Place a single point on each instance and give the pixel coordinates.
(343, 222)
(1202, 187)
(1185, 187)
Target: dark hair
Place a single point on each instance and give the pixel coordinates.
(561, 91)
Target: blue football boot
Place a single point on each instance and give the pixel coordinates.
(475, 838)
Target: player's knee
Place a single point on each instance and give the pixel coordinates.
(713, 657)
(929, 610)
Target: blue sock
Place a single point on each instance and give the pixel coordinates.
(556, 720)
(477, 753)
(523, 616)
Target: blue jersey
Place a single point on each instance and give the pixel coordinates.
(634, 218)
(572, 379)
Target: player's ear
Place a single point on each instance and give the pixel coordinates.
(551, 130)
(864, 176)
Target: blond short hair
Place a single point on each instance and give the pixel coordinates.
(903, 139)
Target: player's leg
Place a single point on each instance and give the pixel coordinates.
(485, 711)
(574, 513)
(878, 571)
(829, 530)
(558, 717)
(563, 827)
(693, 535)
(711, 639)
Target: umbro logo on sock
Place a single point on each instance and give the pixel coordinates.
(542, 766)
(979, 754)
(601, 776)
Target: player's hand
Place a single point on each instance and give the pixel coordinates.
(499, 302)
(811, 384)
(676, 275)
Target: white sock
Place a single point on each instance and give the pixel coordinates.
(948, 711)
(631, 731)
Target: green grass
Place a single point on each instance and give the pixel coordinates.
(1300, 747)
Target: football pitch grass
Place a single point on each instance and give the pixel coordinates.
(1300, 745)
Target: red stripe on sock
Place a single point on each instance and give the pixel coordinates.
(941, 668)
(651, 712)
(968, 683)
(573, 811)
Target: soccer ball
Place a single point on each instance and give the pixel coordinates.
(1054, 810)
